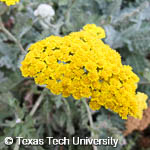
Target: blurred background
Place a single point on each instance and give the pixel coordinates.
(30, 111)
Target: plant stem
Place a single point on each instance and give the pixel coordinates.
(89, 115)
(17, 146)
(2, 27)
(37, 104)
(91, 121)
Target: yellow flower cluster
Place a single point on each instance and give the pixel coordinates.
(10, 2)
(82, 65)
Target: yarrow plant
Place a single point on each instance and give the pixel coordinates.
(10, 2)
(82, 65)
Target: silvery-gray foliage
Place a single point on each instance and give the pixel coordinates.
(127, 28)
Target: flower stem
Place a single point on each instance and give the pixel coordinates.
(90, 120)
(37, 104)
(2, 27)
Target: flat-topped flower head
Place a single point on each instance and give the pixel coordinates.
(82, 65)
(10, 2)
